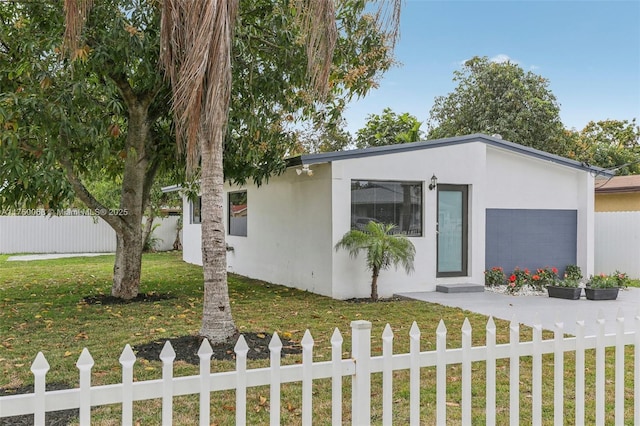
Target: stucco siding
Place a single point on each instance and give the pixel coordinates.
(288, 238)
(463, 165)
(294, 221)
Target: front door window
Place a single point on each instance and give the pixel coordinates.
(452, 230)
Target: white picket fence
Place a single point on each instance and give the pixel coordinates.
(360, 367)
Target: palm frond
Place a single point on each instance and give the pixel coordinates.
(195, 53)
(75, 14)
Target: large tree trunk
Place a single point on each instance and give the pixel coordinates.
(217, 322)
(138, 176)
(128, 265)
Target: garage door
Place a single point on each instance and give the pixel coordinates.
(530, 238)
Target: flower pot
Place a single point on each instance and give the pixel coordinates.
(602, 293)
(571, 293)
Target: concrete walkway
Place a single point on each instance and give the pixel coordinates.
(531, 309)
(27, 257)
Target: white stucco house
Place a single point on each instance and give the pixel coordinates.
(494, 203)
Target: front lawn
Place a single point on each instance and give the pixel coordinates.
(43, 308)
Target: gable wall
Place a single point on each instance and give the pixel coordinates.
(519, 183)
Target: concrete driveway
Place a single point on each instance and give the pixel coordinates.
(527, 309)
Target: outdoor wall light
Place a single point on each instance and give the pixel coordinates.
(434, 182)
(305, 169)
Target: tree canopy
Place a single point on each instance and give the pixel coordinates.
(103, 108)
(499, 98)
(389, 128)
(610, 144)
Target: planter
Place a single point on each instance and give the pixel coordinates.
(602, 293)
(571, 293)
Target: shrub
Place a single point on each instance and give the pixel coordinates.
(622, 279)
(602, 281)
(518, 279)
(573, 272)
(544, 277)
(494, 276)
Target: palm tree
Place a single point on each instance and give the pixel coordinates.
(383, 249)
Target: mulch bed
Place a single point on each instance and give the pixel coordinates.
(104, 299)
(368, 300)
(186, 349)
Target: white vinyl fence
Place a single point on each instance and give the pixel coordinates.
(38, 233)
(360, 367)
(617, 243)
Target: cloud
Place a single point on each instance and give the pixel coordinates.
(502, 58)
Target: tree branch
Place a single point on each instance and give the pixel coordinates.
(129, 96)
(83, 193)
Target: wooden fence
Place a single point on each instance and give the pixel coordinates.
(360, 367)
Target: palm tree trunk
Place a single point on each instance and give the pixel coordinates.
(374, 284)
(217, 322)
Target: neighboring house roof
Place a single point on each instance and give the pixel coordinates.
(618, 184)
(436, 143)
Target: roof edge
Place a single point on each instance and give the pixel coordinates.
(434, 143)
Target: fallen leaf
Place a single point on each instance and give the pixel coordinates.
(67, 353)
(229, 407)
(452, 404)
(263, 400)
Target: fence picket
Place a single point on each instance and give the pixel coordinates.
(241, 349)
(536, 372)
(307, 377)
(558, 374)
(466, 372)
(361, 381)
(514, 372)
(336, 377)
(127, 359)
(359, 367)
(204, 353)
(387, 375)
(600, 368)
(441, 374)
(275, 351)
(167, 356)
(580, 374)
(39, 368)
(490, 377)
(85, 364)
(619, 370)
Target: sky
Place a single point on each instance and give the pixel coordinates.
(588, 50)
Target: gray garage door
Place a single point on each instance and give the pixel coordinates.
(530, 238)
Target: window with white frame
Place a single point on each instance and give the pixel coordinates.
(237, 213)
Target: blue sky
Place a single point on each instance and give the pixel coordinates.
(588, 50)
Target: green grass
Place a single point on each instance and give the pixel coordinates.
(41, 310)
